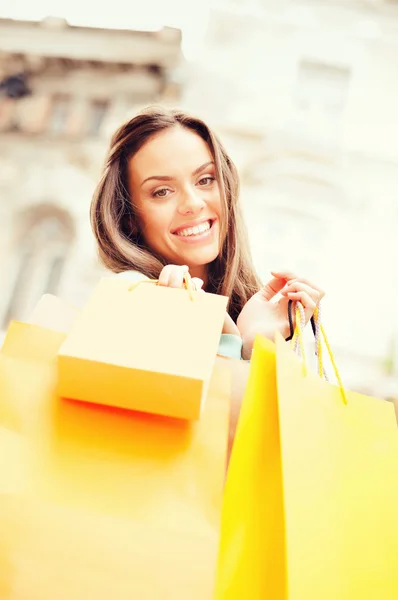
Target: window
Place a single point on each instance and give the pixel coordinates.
(43, 245)
(322, 85)
(320, 97)
(15, 86)
(7, 114)
(98, 111)
(59, 115)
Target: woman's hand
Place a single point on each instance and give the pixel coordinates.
(173, 276)
(261, 316)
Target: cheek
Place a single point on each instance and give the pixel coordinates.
(215, 202)
(156, 221)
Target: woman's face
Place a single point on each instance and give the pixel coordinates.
(172, 183)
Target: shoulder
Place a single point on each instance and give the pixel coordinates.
(132, 276)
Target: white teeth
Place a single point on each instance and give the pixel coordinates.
(195, 230)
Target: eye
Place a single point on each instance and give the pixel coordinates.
(205, 181)
(162, 193)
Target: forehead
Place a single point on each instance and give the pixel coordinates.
(170, 152)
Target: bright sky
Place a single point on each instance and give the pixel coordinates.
(147, 15)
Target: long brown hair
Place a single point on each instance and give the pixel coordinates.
(115, 225)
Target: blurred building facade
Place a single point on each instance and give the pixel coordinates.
(63, 91)
(305, 95)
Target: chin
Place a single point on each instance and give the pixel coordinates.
(198, 259)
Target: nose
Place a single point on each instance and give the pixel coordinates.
(191, 202)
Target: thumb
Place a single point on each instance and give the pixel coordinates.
(198, 283)
(271, 288)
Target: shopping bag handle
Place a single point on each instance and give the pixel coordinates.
(316, 332)
(291, 323)
(297, 342)
(188, 284)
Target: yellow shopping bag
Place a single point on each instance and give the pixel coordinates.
(311, 494)
(143, 347)
(340, 466)
(108, 503)
(251, 558)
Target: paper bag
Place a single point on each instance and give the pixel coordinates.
(340, 465)
(150, 349)
(108, 502)
(311, 494)
(251, 556)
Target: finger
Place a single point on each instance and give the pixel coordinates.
(284, 274)
(166, 273)
(176, 279)
(164, 277)
(299, 286)
(290, 276)
(198, 283)
(272, 288)
(308, 282)
(307, 302)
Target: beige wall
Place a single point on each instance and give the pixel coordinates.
(305, 95)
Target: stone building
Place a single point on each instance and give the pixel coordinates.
(63, 91)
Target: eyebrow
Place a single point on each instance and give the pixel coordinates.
(167, 178)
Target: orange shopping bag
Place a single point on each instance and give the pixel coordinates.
(109, 503)
(311, 493)
(143, 347)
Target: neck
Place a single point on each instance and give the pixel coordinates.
(201, 272)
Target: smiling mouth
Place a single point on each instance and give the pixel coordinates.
(195, 231)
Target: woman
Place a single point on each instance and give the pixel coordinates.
(168, 203)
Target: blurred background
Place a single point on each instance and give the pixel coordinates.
(304, 94)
